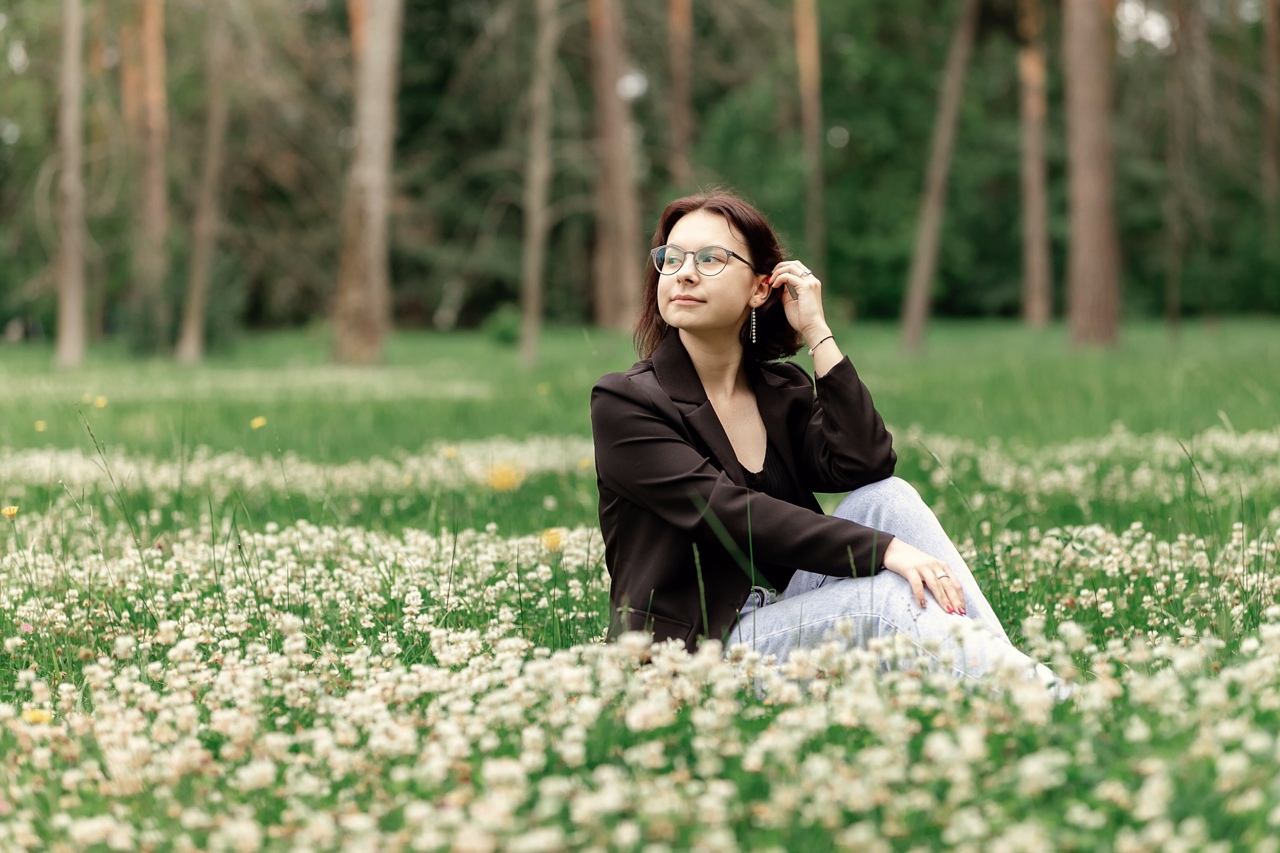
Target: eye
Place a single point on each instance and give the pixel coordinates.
(713, 254)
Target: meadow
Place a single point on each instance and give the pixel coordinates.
(274, 603)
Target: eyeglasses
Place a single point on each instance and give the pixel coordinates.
(709, 260)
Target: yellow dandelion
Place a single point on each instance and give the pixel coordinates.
(99, 402)
(41, 426)
(585, 462)
(36, 715)
(86, 399)
(258, 423)
(406, 479)
(553, 538)
(450, 452)
(505, 476)
(9, 511)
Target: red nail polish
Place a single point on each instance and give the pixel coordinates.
(769, 280)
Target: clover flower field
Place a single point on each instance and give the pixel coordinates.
(239, 645)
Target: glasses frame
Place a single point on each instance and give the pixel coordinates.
(653, 255)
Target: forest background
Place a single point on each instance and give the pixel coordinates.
(703, 94)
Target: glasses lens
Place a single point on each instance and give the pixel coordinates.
(711, 260)
(667, 259)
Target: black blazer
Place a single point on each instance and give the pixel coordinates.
(685, 538)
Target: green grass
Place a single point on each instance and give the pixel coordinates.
(974, 381)
(392, 633)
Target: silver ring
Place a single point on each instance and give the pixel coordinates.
(805, 273)
(943, 575)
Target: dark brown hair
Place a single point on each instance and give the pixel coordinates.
(774, 336)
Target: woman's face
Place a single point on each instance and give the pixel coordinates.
(708, 304)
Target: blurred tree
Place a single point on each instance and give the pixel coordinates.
(537, 179)
(1093, 267)
(191, 339)
(1037, 274)
(615, 265)
(809, 64)
(150, 305)
(933, 205)
(362, 304)
(1271, 114)
(679, 104)
(71, 227)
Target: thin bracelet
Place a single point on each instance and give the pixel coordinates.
(820, 343)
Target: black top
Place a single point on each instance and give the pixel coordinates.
(774, 479)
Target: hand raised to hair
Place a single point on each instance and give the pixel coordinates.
(802, 299)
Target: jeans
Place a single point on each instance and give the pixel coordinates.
(805, 613)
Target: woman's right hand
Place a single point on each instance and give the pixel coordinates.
(923, 571)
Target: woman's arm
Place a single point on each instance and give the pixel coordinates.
(845, 444)
(642, 457)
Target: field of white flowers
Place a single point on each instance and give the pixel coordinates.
(241, 649)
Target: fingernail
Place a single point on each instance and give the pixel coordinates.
(769, 280)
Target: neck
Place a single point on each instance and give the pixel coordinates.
(718, 363)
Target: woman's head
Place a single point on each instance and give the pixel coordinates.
(716, 219)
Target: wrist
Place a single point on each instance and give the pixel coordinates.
(816, 333)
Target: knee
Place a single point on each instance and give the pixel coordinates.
(886, 494)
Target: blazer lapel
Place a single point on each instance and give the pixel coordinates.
(679, 379)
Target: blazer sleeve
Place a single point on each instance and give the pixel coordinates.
(846, 445)
(642, 456)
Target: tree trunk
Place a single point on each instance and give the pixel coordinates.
(1271, 114)
(537, 179)
(190, 349)
(151, 305)
(618, 257)
(362, 305)
(1037, 274)
(1093, 263)
(924, 260)
(809, 64)
(1176, 200)
(357, 20)
(680, 119)
(71, 302)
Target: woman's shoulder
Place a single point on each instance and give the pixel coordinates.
(788, 372)
(633, 383)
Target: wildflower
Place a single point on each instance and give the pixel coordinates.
(100, 402)
(26, 628)
(9, 511)
(41, 426)
(504, 477)
(258, 423)
(449, 452)
(553, 538)
(36, 715)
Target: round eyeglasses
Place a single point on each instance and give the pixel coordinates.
(709, 260)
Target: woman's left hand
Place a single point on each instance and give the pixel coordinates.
(801, 298)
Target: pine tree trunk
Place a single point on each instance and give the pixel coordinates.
(151, 305)
(362, 304)
(1093, 263)
(924, 261)
(809, 64)
(1037, 274)
(618, 259)
(71, 291)
(190, 348)
(1271, 115)
(680, 119)
(537, 180)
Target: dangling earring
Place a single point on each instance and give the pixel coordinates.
(753, 325)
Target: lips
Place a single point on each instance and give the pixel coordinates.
(685, 300)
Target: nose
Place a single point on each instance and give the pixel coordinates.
(687, 264)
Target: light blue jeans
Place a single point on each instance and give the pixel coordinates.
(811, 606)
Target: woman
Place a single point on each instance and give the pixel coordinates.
(709, 450)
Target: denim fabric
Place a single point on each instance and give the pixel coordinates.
(812, 605)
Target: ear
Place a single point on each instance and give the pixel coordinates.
(760, 293)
